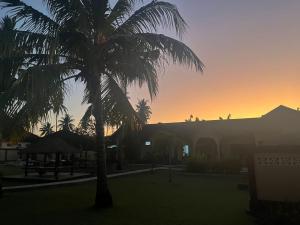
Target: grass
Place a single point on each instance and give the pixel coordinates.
(8, 170)
(139, 200)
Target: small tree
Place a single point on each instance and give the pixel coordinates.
(1, 191)
(143, 110)
(86, 128)
(66, 123)
(46, 129)
(190, 119)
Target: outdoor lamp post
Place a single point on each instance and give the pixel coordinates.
(148, 144)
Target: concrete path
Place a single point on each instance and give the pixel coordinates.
(78, 181)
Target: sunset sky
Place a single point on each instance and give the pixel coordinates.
(251, 53)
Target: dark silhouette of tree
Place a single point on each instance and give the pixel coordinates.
(103, 46)
(143, 110)
(46, 129)
(23, 98)
(229, 116)
(58, 107)
(87, 128)
(66, 123)
(190, 119)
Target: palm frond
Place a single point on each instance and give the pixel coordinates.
(27, 42)
(135, 67)
(75, 11)
(116, 103)
(120, 10)
(152, 16)
(177, 51)
(86, 117)
(30, 18)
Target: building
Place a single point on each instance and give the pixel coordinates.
(11, 150)
(219, 139)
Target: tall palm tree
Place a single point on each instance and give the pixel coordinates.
(103, 46)
(58, 107)
(46, 129)
(66, 123)
(143, 110)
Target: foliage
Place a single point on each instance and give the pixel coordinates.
(131, 146)
(86, 127)
(23, 98)
(143, 110)
(222, 166)
(66, 123)
(190, 119)
(103, 46)
(164, 144)
(75, 36)
(279, 214)
(46, 129)
(1, 185)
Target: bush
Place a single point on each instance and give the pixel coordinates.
(195, 166)
(279, 214)
(229, 166)
(1, 192)
(223, 166)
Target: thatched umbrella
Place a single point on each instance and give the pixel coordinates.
(78, 141)
(50, 145)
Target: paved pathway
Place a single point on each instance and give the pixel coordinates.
(77, 181)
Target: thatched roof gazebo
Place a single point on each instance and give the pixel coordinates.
(78, 141)
(49, 146)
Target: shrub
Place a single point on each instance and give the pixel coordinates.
(229, 166)
(223, 166)
(195, 166)
(1, 192)
(279, 214)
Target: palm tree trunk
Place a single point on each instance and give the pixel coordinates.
(103, 195)
(56, 118)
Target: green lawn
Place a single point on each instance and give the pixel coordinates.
(139, 200)
(7, 170)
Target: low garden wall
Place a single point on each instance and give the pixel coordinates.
(274, 181)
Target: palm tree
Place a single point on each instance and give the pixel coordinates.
(86, 128)
(7, 74)
(143, 110)
(46, 129)
(103, 46)
(22, 102)
(58, 107)
(66, 123)
(190, 119)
